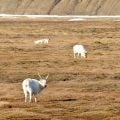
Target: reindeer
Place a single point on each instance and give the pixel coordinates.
(79, 49)
(33, 87)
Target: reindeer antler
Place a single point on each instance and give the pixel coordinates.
(47, 76)
(39, 75)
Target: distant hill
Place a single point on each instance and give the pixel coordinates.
(60, 7)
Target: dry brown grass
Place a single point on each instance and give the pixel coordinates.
(78, 89)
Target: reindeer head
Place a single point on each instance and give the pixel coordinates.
(43, 81)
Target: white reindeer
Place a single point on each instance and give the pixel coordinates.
(79, 49)
(42, 41)
(33, 87)
(46, 41)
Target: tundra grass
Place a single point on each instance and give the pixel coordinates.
(78, 89)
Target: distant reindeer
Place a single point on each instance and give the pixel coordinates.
(79, 50)
(33, 87)
(42, 41)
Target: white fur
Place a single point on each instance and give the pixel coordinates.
(80, 50)
(42, 41)
(33, 87)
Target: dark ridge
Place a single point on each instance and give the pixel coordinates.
(52, 7)
(56, 2)
(99, 7)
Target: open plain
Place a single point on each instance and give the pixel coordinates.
(78, 89)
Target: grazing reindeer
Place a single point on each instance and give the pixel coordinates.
(33, 87)
(41, 41)
(79, 49)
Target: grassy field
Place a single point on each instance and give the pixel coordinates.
(78, 89)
